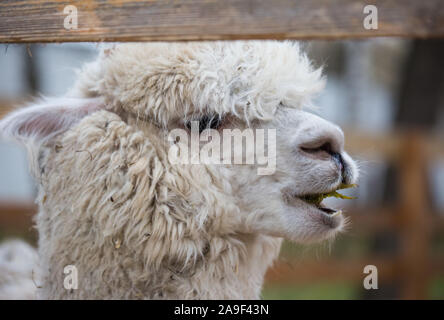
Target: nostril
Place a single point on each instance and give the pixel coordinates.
(323, 148)
(338, 159)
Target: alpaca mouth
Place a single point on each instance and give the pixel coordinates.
(317, 198)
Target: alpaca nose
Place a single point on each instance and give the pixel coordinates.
(324, 144)
(328, 149)
(326, 152)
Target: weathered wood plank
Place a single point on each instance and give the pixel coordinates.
(167, 20)
(414, 214)
(332, 269)
(17, 216)
(292, 272)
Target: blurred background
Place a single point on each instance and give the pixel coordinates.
(387, 94)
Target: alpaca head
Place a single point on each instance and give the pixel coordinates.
(154, 89)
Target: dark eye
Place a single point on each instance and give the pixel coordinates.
(207, 122)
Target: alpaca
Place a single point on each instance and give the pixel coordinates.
(137, 226)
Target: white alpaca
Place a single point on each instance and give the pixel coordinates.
(137, 226)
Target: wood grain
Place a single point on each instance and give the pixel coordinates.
(298, 272)
(330, 270)
(415, 215)
(17, 216)
(168, 20)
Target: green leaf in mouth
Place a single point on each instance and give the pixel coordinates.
(317, 198)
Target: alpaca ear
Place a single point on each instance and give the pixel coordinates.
(40, 122)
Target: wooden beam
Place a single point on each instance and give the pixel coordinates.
(292, 272)
(414, 218)
(370, 220)
(373, 145)
(7, 106)
(388, 145)
(17, 216)
(333, 269)
(171, 20)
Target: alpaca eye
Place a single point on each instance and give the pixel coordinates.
(207, 122)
